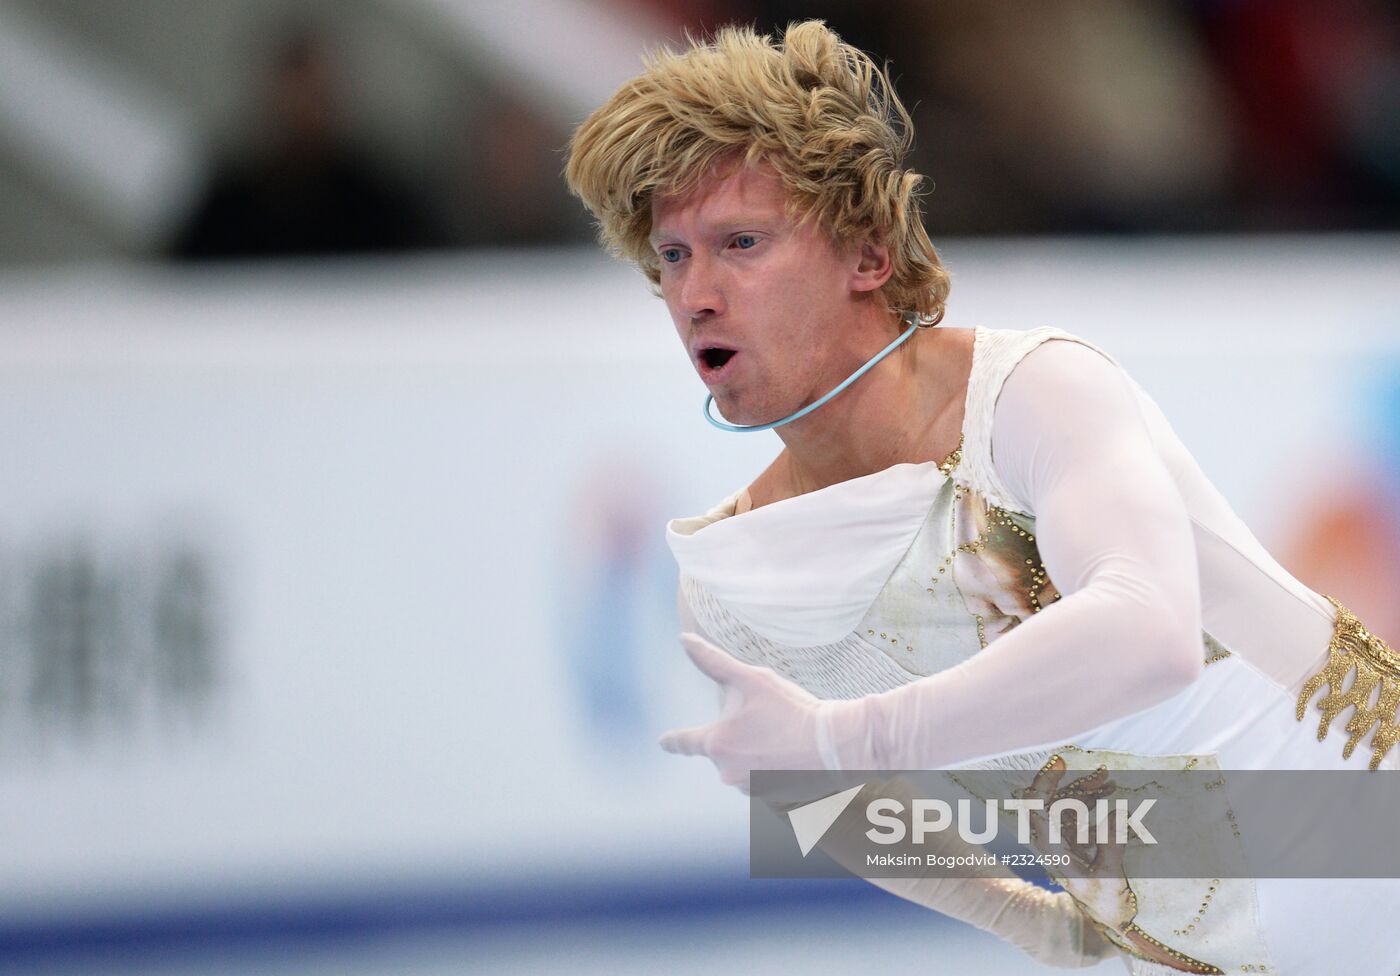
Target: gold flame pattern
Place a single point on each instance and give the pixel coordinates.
(1377, 672)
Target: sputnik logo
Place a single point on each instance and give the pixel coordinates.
(811, 821)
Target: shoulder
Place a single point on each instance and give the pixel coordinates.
(1040, 376)
(1062, 366)
(1000, 351)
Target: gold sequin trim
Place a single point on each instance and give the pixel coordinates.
(1000, 518)
(1192, 965)
(1122, 941)
(1377, 670)
(952, 460)
(1217, 651)
(1206, 899)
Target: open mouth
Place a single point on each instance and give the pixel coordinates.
(714, 357)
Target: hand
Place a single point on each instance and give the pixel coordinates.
(1104, 891)
(765, 721)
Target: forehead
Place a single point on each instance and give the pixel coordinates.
(724, 194)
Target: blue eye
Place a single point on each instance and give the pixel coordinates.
(671, 255)
(745, 241)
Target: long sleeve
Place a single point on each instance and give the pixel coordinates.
(1048, 926)
(1069, 441)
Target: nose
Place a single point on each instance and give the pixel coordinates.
(701, 293)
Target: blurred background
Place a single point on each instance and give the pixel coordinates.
(336, 623)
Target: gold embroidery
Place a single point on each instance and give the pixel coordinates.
(1206, 899)
(1217, 651)
(1377, 668)
(1019, 585)
(1192, 965)
(1013, 580)
(952, 460)
(1180, 960)
(1234, 824)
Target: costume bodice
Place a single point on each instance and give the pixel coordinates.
(970, 573)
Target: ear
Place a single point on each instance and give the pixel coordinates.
(873, 267)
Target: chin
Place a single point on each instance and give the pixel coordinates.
(736, 411)
(751, 415)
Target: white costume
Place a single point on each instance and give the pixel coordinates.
(1068, 581)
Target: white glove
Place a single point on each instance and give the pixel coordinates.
(765, 721)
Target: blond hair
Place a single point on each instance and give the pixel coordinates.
(815, 108)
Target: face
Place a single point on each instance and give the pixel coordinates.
(757, 300)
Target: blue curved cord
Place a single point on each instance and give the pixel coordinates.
(740, 429)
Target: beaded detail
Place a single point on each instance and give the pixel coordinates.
(953, 459)
(997, 563)
(1183, 962)
(1124, 940)
(1214, 648)
(1353, 648)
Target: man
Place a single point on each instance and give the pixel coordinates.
(976, 545)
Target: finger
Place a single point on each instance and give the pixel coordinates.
(1066, 834)
(715, 663)
(1110, 856)
(1071, 835)
(686, 742)
(1080, 852)
(1037, 831)
(1040, 836)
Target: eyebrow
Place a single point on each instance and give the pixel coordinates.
(728, 226)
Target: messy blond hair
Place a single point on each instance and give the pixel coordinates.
(815, 108)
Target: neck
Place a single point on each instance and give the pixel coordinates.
(892, 415)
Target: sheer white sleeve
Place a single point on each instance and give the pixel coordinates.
(1069, 441)
(1046, 925)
